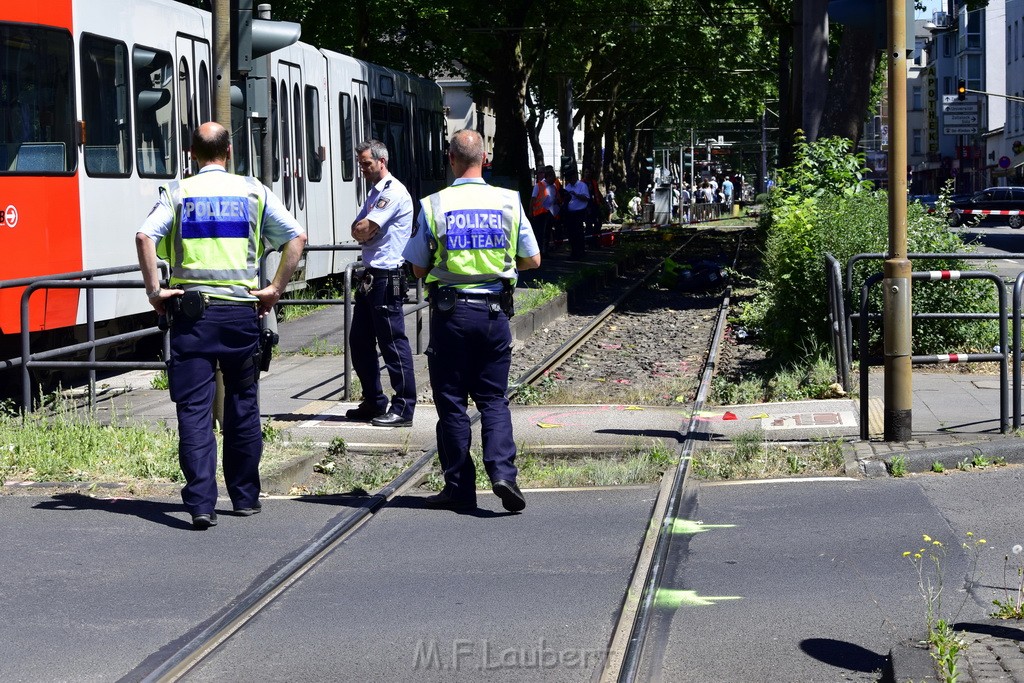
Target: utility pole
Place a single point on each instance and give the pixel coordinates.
(896, 269)
(222, 62)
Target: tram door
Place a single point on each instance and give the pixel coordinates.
(362, 118)
(291, 138)
(194, 95)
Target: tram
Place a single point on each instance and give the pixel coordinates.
(98, 101)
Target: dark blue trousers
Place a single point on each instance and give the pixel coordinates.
(377, 320)
(469, 355)
(228, 336)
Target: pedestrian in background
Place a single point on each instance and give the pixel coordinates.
(541, 201)
(471, 241)
(211, 228)
(382, 227)
(576, 209)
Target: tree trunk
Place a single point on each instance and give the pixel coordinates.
(510, 165)
(850, 89)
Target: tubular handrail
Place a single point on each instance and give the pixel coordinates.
(1001, 357)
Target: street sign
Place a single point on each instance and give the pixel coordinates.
(959, 119)
(959, 130)
(949, 99)
(960, 108)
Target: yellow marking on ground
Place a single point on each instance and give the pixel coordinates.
(548, 425)
(675, 598)
(876, 416)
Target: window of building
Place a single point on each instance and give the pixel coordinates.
(916, 102)
(917, 137)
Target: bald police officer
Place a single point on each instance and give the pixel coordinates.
(382, 228)
(211, 228)
(470, 242)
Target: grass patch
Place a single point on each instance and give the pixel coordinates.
(750, 457)
(320, 347)
(816, 380)
(296, 311)
(637, 465)
(64, 444)
(529, 298)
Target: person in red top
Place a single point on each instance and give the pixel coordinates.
(540, 210)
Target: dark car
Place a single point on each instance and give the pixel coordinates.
(925, 200)
(1006, 205)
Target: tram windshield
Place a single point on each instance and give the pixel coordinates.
(36, 101)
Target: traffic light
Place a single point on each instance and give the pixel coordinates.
(253, 38)
(961, 89)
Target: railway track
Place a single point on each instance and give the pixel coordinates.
(634, 309)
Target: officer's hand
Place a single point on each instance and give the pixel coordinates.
(268, 296)
(364, 230)
(159, 302)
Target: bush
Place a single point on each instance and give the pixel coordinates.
(822, 204)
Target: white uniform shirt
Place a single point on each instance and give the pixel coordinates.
(390, 207)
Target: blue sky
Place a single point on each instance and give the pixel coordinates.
(933, 6)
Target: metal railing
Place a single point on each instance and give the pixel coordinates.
(86, 280)
(946, 276)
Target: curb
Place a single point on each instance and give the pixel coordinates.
(875, 459)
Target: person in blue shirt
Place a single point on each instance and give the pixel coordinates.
(470, 242)
(382, 227)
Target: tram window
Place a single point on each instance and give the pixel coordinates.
(347, 146)
(107, 148)
(421, 125)
(186, 117)
(397, 142)
(37, 110)
(300, 183)
(204, 93)
(286, 157)
(154, 78)
(274, 132)
(379, 121)
(313, 161)
(387, 85)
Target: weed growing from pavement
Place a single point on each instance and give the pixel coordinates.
(159, 381)
(928, 561)
(897, 466)
(749, 456)
(938, 467)
(1011, 608)
(320, 347)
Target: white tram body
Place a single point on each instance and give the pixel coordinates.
(98, 101)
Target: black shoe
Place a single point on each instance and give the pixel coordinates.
(204, 521)
(443, 501)
(249, 512)
(363, 413)
(511, 497)
(391, 420)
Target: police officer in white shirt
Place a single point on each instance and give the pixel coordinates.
(382, 227)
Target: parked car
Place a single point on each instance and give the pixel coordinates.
(926, 200)
(993, 199)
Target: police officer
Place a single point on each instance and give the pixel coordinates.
(470, 242)
(382, 228)
(211, 228)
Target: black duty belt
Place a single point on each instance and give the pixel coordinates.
(212, 301)
(383, 271)
(477, 296)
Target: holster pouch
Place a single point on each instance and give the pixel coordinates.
(190, 306)
(444, 299)
(506, 298)
(366, 283)
(399, 286)
(268, 340)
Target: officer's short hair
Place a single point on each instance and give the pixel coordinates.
(211, 142)
(467, 147)
(378, 150)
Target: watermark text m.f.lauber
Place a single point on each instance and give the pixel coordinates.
(483, 655)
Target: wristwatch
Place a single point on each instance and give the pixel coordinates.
(154, 294)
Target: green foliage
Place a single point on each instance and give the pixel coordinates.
(1011, 608)
(813, 378)
(823, 204)
(159, 381)
(897, 466)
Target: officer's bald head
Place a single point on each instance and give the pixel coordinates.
(467, 148)
(211, 142)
